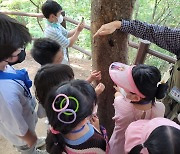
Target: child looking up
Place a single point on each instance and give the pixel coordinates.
(54, 30)
(141, 87)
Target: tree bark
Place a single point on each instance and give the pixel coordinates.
(108, 49)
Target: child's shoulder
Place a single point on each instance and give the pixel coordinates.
(122, 104)
(95, 144)
(158, 109)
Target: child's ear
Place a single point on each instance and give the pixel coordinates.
(135, 98)
(52, 17)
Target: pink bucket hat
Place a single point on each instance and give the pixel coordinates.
(139, 131)
(121, 74)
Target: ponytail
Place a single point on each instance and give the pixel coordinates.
(146, 79)
(161, 90)
(55, 143)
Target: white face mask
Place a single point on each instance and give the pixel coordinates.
(122, 91)
(60, 19)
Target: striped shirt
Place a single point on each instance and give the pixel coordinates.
(57, 32)
(164, 37)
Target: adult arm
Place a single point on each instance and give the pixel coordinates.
(164, 37)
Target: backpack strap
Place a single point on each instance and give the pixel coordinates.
(20, 75)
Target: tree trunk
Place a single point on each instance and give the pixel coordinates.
(108, 49)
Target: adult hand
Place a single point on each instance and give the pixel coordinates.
(108, 28)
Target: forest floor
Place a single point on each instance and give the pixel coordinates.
(81, 67)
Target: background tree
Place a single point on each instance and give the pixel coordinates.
(108, 49)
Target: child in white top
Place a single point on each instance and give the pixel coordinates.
(17, 116)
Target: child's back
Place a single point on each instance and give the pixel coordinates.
(71, 131)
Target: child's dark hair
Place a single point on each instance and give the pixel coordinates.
(48, 76)
(50, 7)
(13, 35)
(163, 140)
(86, 96)
(146, 79)
(44, 50)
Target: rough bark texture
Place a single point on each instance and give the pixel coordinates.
(108, 49)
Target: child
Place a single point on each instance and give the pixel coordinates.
(51, 75)
(156, 136)
(47, 51)
(140, 88)
(68, 107)
(17, 116)
(54, 30)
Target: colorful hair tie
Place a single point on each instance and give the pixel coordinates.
(61, 109)
(74, 99)
(67, 110)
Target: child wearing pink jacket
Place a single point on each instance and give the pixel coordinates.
(135, 98)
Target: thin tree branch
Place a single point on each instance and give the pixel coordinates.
(165, 18)
(37, 6)
(34, 3)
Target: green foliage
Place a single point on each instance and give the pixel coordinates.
(163, 12)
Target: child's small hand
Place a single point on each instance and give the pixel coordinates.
(80, 26)
(117, 93)
(116, 88)
(95, 75)
(94, 120)
(99, 88)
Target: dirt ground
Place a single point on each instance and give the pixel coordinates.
(81, 67)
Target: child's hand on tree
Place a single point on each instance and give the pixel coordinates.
(99, 88)
(95, 75)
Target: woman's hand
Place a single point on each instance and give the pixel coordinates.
(108, 28)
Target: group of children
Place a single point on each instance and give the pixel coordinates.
(71, 104)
